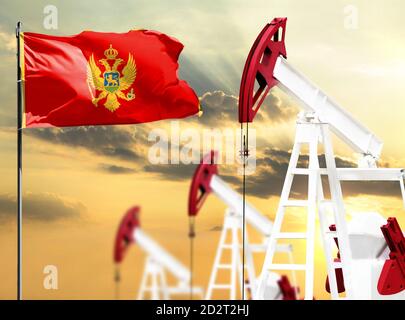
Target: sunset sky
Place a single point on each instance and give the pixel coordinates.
(78, 182)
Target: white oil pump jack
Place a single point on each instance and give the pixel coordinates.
(266, 66)
(154, 282)
(205, 181)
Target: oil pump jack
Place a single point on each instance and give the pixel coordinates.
(158, 262)
(205, 181)
(266, 66)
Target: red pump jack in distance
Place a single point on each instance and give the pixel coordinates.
(206, 180)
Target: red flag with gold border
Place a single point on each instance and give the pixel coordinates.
(96, 78)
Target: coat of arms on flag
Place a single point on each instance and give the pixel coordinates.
(110, 84)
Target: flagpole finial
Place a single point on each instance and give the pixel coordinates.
(18, 29)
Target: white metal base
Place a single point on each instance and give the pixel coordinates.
(154, 284)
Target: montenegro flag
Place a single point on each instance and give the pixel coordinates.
(96, 78)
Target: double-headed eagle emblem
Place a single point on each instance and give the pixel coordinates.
(110, 84)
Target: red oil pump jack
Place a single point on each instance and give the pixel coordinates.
(206, 180)
(266, 66)
(159, 262)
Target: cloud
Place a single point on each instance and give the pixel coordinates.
(177, 172)
(111, 168)
(277, 109)
(219, 107)
(117, 142)
(268, 180)
(271, 169)
(378, 188)
(44, 207)
(110, 141)
(216, 228)
(7, 42)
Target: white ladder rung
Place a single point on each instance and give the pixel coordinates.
(224, 266)
(284, 247)
(300, 171)
(152, 289)
(290, 235)
(221, 286)
(296, 203)
(326, 202)
(287, 266)
(227, 246)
